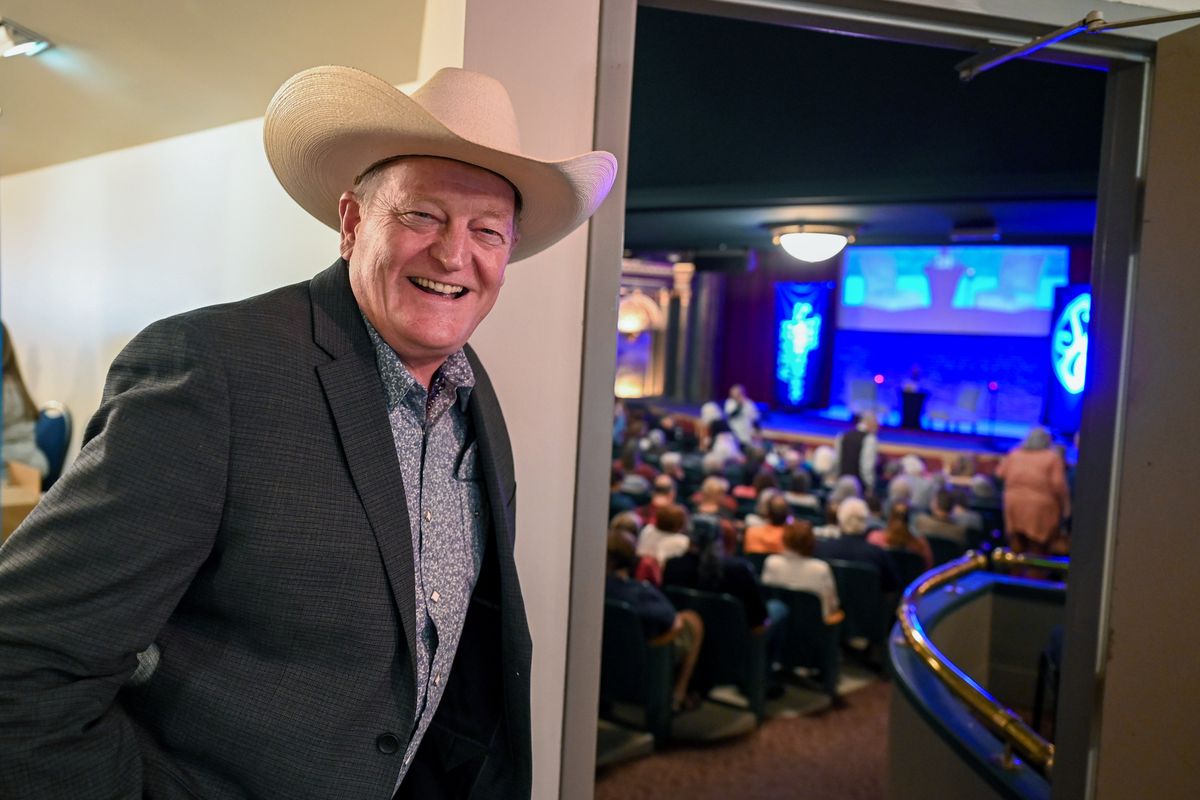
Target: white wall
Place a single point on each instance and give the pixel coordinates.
(96, 249)
(545, 52)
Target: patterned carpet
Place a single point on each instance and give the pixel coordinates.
(831, 754)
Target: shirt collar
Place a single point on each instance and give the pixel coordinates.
(455, 374)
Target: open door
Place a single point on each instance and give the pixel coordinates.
(1127, 715)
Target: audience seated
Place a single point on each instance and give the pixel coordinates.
(823, 464)
(938, 522)
(759, 516)
(897, 536)
(660, 622)
(713, 500)
(664, 538)
(795, 569)
(799, 489)
(663, 494)
(647, 568)
(851, 543)
(768, 538)
(706, 567)
(619, 501)
(920, 485)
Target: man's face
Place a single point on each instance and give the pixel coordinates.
(427, 248)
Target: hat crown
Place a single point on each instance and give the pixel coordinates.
(472, 105)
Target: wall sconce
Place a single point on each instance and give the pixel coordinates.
(813, 243)
(637, 313)
(17, 40)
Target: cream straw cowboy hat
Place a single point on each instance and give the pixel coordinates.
(326, 126)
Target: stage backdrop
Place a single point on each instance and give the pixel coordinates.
(803, 350)
(969, 317)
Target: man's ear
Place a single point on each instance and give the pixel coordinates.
(349, 214)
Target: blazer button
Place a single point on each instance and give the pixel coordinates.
(387, 743)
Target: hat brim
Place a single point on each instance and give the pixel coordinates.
(325, 126)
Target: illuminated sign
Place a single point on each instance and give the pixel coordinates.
(799, 335)
(1070, 343)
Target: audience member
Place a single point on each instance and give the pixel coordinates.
(714, 501)
(846, 486)
(1035, 493)
(664, 538)
(823, 464)
(760, 516)
(799, 489)
(705, 567)
(858, 450)
(768, 538)
(796, 569)
(663, 494)
(660, 622)
(938, 522)
(851, 543)
(20, 416)
(920, 485)
(647, 568)
(898, 536)
(619, 501)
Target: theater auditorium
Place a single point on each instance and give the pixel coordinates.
(850, 435)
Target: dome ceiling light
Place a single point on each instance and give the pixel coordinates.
(813, 243)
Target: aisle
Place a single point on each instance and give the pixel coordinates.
(836, 755)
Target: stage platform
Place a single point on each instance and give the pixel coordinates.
(937, 448)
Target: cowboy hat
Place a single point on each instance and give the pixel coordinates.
(326, 126)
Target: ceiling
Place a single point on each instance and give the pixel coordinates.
(739, 125)
(127, 72)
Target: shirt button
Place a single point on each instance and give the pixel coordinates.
(435, 596)
(387, 743)
(428, 516)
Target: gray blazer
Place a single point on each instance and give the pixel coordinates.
(239, 505)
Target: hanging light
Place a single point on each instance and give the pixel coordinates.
(17, 40)
(813, 243)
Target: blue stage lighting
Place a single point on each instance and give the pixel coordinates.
(799, 335)
(1070, 342)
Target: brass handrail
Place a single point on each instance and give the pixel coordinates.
(1003, 557)
(1002, 721)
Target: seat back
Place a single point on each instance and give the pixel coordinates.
(634, 671)
(756, 561)
(907, 565)
(808, 641)
(732, 653)
(53, 434)
(944, 549)
(861, 598)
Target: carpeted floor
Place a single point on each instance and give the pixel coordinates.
(835, 755)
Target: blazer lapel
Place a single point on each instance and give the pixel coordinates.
(352, 387)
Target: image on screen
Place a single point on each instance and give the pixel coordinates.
(1005, 290)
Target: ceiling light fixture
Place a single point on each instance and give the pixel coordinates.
(17, 40)
(813, 243)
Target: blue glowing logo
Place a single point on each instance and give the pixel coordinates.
(1070, 343)
(798, 336)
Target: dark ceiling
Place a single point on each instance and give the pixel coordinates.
(739, 124)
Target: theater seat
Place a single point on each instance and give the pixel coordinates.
(867, 617)
(732, 653)
(634, 671)
(808, 641)
(944, 549)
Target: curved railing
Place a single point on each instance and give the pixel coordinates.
(1002, 721)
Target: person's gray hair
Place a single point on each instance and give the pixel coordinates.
(1038, 439)
(912, 464)
(670, 460)
(847, 486)
(713, 463)
(852, 514)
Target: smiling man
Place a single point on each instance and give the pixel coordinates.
(282, 565)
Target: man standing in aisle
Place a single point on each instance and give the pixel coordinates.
(282, 565)
(858, 450)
